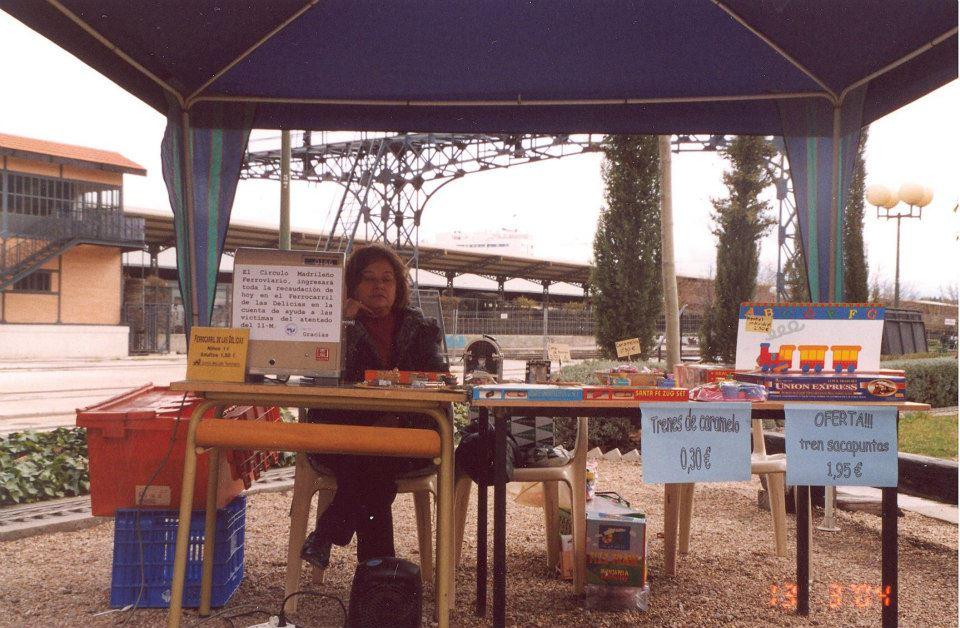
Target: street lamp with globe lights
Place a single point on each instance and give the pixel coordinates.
(915, 196)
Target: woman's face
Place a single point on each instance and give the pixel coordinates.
(377, 289)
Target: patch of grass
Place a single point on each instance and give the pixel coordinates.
(929, 434)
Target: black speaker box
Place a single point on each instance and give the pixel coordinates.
(386, 592)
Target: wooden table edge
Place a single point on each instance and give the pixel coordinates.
(902, 406)
(426, 395)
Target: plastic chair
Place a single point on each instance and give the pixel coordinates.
(574, 475)
(307, 481)
(772, 468)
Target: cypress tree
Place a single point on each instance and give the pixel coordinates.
(625, 280)
(740, 221)
(795, 280)
(854, 256)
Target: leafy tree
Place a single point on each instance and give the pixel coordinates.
(626, 280)
(795, 280)
(854, 256)
(741, 220)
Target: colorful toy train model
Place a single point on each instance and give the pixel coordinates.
(812, 358)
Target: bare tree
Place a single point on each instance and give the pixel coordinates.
(881, 291)
(948, 292)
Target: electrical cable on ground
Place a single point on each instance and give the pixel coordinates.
(242, 610)
(282, 616)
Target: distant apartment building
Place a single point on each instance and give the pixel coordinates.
(62, 232)
(496, 242)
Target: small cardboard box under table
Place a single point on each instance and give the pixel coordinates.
(616, 542)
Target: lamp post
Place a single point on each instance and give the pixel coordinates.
(915, 196)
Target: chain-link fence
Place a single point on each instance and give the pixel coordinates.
(527, 322)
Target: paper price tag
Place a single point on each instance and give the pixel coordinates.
(626, 348)
(841, 445)
(761, 324)
(559, 352)
(695, 442)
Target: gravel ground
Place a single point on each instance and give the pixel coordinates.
(63, 579)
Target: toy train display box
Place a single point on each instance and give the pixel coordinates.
(811, 358)
(885, 385)
(809, 338)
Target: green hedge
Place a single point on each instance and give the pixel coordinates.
(584, 371)
(35, 466)
(605, 434)
(932, 380)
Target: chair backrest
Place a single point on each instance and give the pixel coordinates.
(580, 443)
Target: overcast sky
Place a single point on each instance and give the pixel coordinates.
(49, 94)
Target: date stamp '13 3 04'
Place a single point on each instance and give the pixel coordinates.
(839, 595)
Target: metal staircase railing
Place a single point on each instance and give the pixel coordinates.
(28, 255)
(31, 241)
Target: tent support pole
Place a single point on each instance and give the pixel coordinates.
(187, 174)
(284, 243)
(835, 287)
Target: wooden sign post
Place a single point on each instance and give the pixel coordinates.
(559, 352)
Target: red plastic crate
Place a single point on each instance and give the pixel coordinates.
(128, 437)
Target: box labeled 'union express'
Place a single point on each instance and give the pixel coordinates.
(881, 386)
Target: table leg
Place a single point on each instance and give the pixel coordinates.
(444, 573)
(209, 531)
(186, 506)
(500, 522)
(888, 579)
(686, 514)
(481, 610)
(671, 520)
(802, 495)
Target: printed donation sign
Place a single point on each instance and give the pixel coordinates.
(289, 303)
(841, 445)
(695, 442)
(217, 354)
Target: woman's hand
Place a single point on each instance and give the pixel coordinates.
(352, 307)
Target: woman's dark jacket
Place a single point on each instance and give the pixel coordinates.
(417, 346)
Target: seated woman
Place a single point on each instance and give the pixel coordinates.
(383, 332)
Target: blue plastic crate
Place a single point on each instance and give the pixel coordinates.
(158, 538)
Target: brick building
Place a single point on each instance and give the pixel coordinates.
(62, 232)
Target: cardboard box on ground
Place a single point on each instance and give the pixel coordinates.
(616, 542)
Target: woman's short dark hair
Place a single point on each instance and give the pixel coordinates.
(366, 255)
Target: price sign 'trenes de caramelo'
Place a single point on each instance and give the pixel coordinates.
(695, 442)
